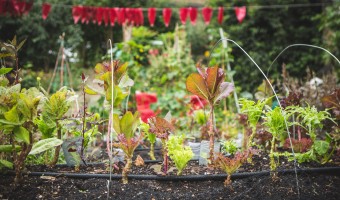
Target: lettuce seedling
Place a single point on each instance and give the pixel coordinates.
(125, 127)
(151, 137)
(231, 164)
(178, 153)
(162, 128)
(276, 125)
(254, 112)
(208, 84)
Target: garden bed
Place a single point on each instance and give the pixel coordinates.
(252, 181)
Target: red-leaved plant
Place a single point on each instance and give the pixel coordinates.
(208, 84)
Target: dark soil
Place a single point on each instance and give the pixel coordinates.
(311, 186)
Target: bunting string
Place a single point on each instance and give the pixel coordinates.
(135, 16)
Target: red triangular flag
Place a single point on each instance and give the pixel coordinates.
(45, 10)
(193, 15)
(76, 13)
(28, 7)
(183, 14)
(220, 15)
(113, 16)
(121, 15)
(92, 12)
(240, 13)
(140, 16)
(167, 16)
(106, 15)
(99, 15)
(152, 16)
(207, 14)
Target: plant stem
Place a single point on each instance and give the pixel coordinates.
(152, 151)
(20, 162)
(17, 66)
(271, 155)
(165, 156)
(57, 149)
(84, 122)
(126, 169)
(253, 132)
(211, 135)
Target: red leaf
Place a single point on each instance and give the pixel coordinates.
(193, 15)
(183, 14)
(207, 14)
(76, 13)
(45, 10)
(220, 15)
(152, 16)
(240, 13)
(113, 16)
(167, 16)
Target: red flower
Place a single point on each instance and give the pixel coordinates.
(144, 100)
(197, 102)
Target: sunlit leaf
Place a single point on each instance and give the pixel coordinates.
(8, 148)
(89, 90)
(12, 115)
(44, 145)
(5, 163)
(22, 134)
(224, 91)
(196, 85)
(213, 79)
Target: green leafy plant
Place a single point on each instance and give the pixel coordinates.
(178, 153)
(125, 127)
(17, 114)
(229, 147)
(151, 137)
(208, 84)
(53, 111)
(253, 110)
(275, 120)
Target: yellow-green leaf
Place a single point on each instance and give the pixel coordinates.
(89, 90)
(22, 134)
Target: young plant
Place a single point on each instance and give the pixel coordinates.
(208, 84)
(254, 112)
(53, 110)
(231, 164)
(18, 110)
(151, 137)
(229, 147)
(162, 128)
(125, 127)
(275, 121)
(178, 153)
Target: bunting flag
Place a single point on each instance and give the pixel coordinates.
(240, 13)
(76, 13)
(113, 16)
(193, 15)
(152, 16)
(45, 10)
(207, 14)
(183, 14)
(220, 15)
(131, 16)
(167, 16)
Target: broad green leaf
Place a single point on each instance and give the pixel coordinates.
(46, 127)
(5, 163)
(8, 148)
(12, 115)
(4, 122)
(22, 134)
(224, 90)
(89, 90)
(126, 124)
(44, 145)
(116, 123)
(196, 85)
(126, 81)
(5, 70)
